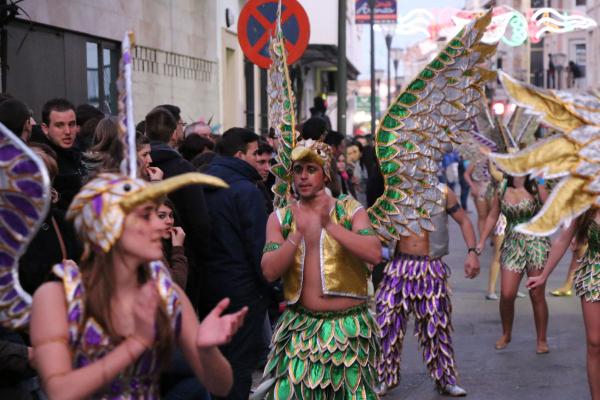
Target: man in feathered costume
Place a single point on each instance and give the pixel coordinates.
(324, 344)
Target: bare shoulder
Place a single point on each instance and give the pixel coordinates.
(49, 291)
(49, 312)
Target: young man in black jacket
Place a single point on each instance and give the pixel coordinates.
(238, 225)
(60, 129)
(189, 201)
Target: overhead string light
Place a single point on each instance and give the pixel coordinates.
(509, 26)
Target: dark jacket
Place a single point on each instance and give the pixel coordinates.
(69, 180)
(238, 220)
(35, 266)
(14, 366)
(191, 208)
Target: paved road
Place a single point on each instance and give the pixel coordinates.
(516, 372)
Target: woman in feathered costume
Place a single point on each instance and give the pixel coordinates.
(574, 157)
(106, 328)
(517, 199)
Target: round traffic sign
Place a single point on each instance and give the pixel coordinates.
(257, 22)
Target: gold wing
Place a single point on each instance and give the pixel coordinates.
(422, 122)
(573, 155)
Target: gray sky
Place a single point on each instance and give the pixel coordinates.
(398, 41)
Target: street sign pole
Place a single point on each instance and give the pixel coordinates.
(342, 75)
(371, 26)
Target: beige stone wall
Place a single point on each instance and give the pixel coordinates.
(593, 71)
(187, 28)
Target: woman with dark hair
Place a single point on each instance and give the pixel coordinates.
(145, 170)
(345, 174)
(107, 149)
(172, 239)
(519, 199)
(194, 145)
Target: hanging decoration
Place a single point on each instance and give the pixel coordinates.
(508, 25)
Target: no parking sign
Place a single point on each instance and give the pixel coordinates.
(257, 22)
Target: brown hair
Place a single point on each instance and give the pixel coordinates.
(98, 278)
(160, 125)
(107, 145)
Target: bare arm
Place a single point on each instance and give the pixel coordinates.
(275, 263)
(469, 179)
(490, 221)
(207, 362)
(365, 247)
(495, 172)
(557, 251)
(49, 336)
(543, 191)
(472, 266)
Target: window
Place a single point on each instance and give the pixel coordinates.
(578, 54)
(92, 73)
(102, 60)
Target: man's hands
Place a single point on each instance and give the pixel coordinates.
(217, 329)
(314, 216)
(472, 265)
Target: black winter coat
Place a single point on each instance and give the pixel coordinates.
(69, 180)
(191, 208)
(238, 219)
(35, 266)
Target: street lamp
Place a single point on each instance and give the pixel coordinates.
(397, 57)
(388, 44)
(559, 60)
(379, 74)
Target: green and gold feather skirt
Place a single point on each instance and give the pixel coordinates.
(587, 276)
(323, 355)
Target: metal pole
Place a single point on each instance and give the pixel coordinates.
(371, 24)
(396, 62)
(4, 45)
(342, 75)
(388, 44)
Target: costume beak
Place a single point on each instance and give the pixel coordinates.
(155, 190)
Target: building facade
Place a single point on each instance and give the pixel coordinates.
(579, 47)
(318, 65)
(184, 51)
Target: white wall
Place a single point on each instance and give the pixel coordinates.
(322, 15)
(186, 27)
(231, 103)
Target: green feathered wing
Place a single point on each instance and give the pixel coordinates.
(281, 115)
(434, 111)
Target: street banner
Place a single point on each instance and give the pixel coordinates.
(386, 12)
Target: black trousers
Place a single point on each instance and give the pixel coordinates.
(246, 347)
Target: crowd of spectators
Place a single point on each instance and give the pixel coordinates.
(213, 238)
